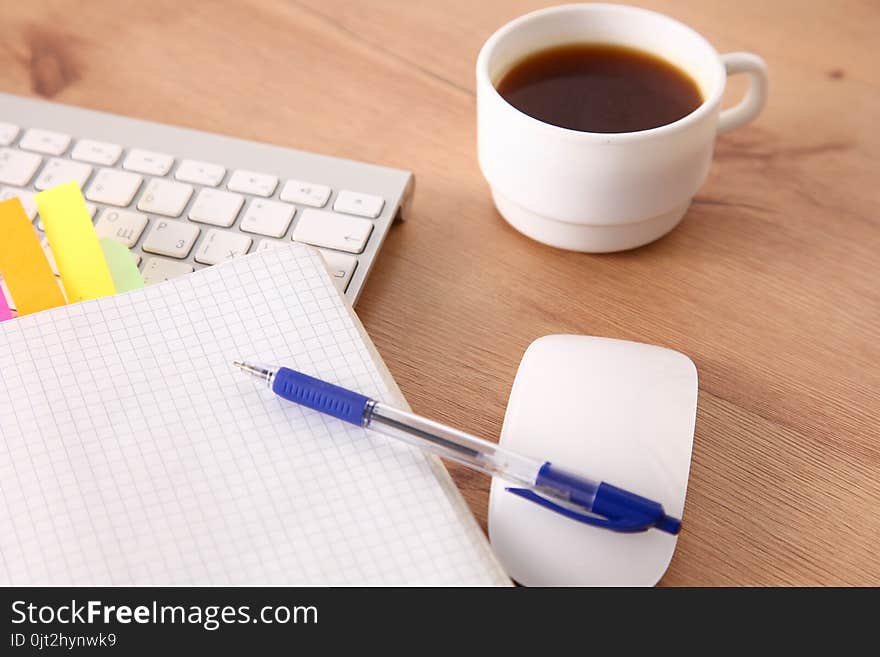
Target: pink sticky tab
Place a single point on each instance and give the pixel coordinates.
(5, 313)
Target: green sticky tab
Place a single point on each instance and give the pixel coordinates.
(121, 263)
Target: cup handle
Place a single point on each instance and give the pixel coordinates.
(750, 106)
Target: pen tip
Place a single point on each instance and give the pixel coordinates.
(261, 372)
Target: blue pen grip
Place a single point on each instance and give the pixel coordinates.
(619, 510)
(320, 395)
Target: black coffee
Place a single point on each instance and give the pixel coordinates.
(600, 88)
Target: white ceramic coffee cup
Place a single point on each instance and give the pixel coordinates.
(601, 192)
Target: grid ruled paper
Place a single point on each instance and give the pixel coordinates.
(133, 452)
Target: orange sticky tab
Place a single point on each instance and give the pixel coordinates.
(23, 263)
(74, 243)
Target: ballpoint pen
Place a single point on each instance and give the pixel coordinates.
(591, 502)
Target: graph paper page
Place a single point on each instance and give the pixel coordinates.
(133, 452)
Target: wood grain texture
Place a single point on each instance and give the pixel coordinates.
(770, 283)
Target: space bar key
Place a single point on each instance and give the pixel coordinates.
(332, 230)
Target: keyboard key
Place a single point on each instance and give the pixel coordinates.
(8, 133)
(17, 167)
(341, 267)
(171, 238)
(297, 191)
(250, 182)
(114, 187)
(159, 270)
(59, 171)
(332, 230)
(216, 207)
(155, 164)
(363, 205)
(267, 218)
(201, 173)
(45, 141)
(96, 152)
(25, 196)
(220, 245)
(165, 197)
(265, 245)
(121, 225)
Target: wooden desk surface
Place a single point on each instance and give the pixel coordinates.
(770, 283)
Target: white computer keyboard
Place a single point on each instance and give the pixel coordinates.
(182, 199)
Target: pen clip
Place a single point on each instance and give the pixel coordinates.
(637, 523)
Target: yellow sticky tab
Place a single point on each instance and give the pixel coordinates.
(122, 267)
(23, 263)
(74, 243)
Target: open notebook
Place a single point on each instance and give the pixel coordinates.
(133, 452)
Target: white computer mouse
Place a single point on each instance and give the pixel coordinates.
(617, 411)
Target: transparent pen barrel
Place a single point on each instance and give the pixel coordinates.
(453, 444)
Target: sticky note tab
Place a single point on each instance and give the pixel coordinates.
(23, 263)
(5, 312)
(74, 243)
(122, 268)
